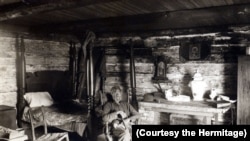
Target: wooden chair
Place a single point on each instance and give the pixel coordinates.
(63, 136)
(105, 135)
(106, 129)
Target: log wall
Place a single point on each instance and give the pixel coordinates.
(41, 53)
(219, 69)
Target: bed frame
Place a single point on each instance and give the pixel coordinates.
(88, 75)
(24, 79)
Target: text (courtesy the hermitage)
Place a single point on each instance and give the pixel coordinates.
(181, 132)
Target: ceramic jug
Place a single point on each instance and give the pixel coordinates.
(198, 87)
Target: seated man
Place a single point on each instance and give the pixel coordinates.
(119, 114)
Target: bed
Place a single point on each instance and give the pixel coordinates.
(70, 115)
(55, 91)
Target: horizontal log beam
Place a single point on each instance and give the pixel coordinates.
(30, 7)
(216, 16)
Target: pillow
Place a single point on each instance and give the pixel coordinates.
(36, 99)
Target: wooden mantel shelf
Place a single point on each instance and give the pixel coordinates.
(196, 108)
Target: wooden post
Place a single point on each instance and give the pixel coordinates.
(91, 76)
(243, 91)
(103, 72)
(90, 82)
(21, 83)
(132, 77)
(99, 75)
(73, 68)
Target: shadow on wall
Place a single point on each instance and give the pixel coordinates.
(57, 83)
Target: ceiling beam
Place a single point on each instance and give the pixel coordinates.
(8, 2)
(11, 30)
(216, 16)
(29, 7)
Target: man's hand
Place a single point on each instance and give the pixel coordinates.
(121, 114)
(127, 121)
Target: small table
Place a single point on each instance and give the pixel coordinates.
(192, 108)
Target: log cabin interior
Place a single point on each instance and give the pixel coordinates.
(154, 49)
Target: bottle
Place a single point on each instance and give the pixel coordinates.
(213, 94)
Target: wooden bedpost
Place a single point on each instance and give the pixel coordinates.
(90, 81)
(91, 76)
(21, 84)
(73, 68)
(82, 71)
